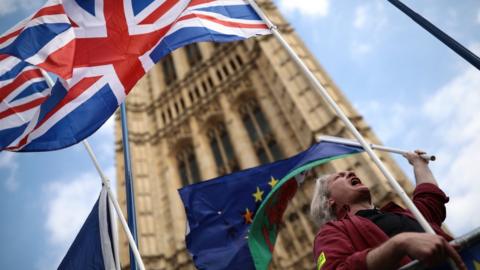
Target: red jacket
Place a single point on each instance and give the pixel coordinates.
(346, 242)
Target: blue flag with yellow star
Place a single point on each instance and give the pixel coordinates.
(220, 211)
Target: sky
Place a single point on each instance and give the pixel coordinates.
(412, 90)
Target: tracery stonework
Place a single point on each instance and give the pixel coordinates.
(235, 106)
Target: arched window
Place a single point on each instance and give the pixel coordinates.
(259, 131)
(168, 67)
(222, 149)
(194, 55)
(187, 165)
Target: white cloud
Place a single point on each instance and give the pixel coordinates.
(10, 165)
(306, 7)
(454, 110)
(360, 17)
(446, 124)
(369, 23)
(68, 203)
(464, 189)
(459, 101)
(478, 16)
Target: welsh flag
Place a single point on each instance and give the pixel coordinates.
(265, 225)
(233, 220)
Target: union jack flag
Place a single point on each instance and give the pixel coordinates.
(22, 90)
(101, 48)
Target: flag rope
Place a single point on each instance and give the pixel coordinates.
(112, 199)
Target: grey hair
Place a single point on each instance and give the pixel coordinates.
(320, 211)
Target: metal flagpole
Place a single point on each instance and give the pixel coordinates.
(373, 146)
(113, 200)
(116, 252)
(439, 34)
(323, 92)
(130, 194)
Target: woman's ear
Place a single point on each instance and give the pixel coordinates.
(332, 204)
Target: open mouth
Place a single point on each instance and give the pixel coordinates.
(355, 181)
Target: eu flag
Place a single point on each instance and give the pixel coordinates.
(220, 211)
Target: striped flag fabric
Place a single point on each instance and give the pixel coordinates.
(101, 48)
(22, 90)
(42, 39)
(209, 20)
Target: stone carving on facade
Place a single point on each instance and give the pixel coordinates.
(177, 136)
(212, 112)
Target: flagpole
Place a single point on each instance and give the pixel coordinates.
(466, 241)
(439, 34)
(323, 92)
(130, 194)
(373, 146)
(116, 252)
(113, 200)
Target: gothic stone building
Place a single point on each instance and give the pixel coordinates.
(211, 109)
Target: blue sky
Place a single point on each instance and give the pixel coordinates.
(411, 89)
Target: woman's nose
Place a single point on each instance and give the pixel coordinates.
(350, 174)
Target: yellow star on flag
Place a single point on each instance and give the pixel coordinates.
(248, 216)
(258, 195)
(273, 182)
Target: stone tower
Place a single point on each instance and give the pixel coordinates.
(210, 109)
